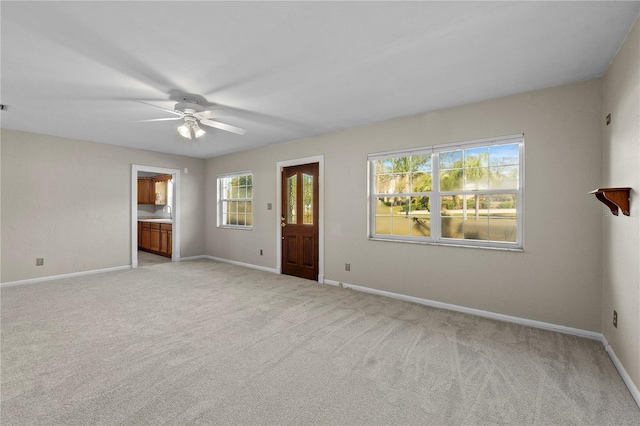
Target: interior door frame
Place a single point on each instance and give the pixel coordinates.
(298, 162)
(175, 213)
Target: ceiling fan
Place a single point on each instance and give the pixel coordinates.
(192, 112)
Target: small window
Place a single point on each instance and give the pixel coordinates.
(235, 200)
(465, 194)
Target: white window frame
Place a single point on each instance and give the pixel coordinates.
(436, 195)
(221, 200)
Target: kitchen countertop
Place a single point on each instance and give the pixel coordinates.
(152, 220)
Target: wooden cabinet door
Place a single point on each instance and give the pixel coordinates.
(146, 237)
(164, 241)
(160, 191)
(144, 190)
(139, 234)
(155, 237)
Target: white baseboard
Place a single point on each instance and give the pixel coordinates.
(246, 265)
(477, 312)
(186, 259)
(57, 277)
(635, 393)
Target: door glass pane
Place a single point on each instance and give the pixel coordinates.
(292, 198)
(307, 199)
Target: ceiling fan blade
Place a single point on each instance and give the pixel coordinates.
(163, 109)
(158, 119)
(222, 126)
(210, 113)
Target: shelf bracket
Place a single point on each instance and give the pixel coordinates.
(614, 198)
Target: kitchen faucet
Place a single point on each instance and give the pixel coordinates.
(164, 209)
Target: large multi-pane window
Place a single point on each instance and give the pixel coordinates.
(235, 195)
(463, 194)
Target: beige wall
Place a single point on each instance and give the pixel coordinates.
(556, 279)
(70, 202)
(621, 234)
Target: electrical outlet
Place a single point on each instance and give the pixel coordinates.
(615, 319)
(347, 266)
(260, 252)
(39, 261)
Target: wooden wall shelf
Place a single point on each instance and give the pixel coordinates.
(614, 198)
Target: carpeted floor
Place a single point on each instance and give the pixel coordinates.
(203, 342)
(150, 259)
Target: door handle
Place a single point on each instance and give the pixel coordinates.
(282, 221)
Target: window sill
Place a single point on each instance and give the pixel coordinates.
(241, 228)
(434, 243)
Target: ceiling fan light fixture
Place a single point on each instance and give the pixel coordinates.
(184, 131)
(190, 129)
(198, 131)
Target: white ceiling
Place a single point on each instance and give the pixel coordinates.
(284, 70)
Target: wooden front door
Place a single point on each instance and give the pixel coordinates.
(299, 221)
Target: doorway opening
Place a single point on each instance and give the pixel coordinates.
(285, 243)
(156, 223)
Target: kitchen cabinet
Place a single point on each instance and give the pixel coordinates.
(144, 190)
(165, 239)
(153, 190)
(160, 190)
(155, 238)
(154, 245)
(145, 236)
